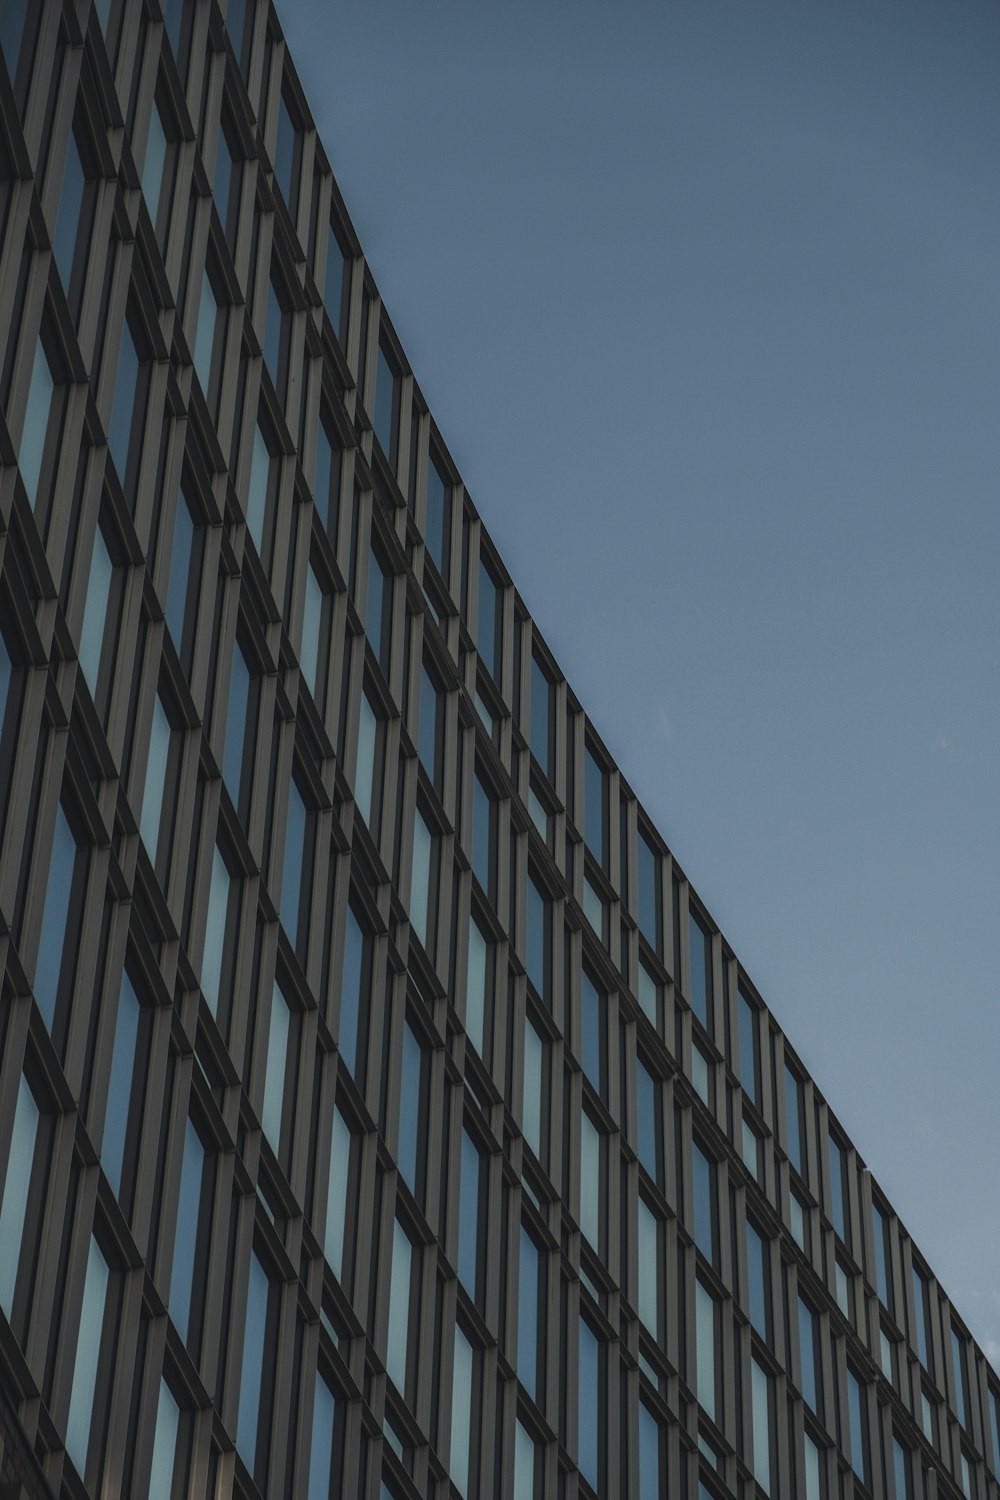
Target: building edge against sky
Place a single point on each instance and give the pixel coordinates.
(376, 1097)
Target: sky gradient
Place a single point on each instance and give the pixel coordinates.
(704, 297)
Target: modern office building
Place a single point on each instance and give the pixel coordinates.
(381, 1112)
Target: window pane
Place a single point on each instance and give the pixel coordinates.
(900, 1470)
(590, 1181)
(312, 620)
(649, 1269)
(468, 1222)
(532, 1109)
(260, 478)
(88, 1350)
(14, 1202)
(748, 1047)
(204, 339)
(292, 875)
(254, 1334)
(334, 282)
(793, 1113)
(482, 831)
(592, 1007)
(120, 1087)
(475, 994)
(55, 918)
(461, 1413)
(757, 1286)
(487, 623)
(527, 1314)
(881, 1262)
(704, 1202)
(367, 727)
(399, 1306)
(186, 1238)
(375, 607)
(594, 806)
(524, 1464)
(807, 1355)
(123, 409)
(385, 401)
(350, 994)
(705, 1348)
(152, 169)
(161, 1477)
(70, 210)
(180, 570)
(36, 423)
(420, 881)
(589, 1410)
(541, 718)
(237, 715)
(958, 1366)
(858, 1446)
(919, 1301)
(648, 895)
(284, 152)
(536, 956)
(336, 1207)
(650, 1464)
(760, 1402)
(436, 523)
(701, 970)
(321, 1453)
(95, 612)
(326, 494)
(837, 1186)
(156, 779)
(814, 1489)
(277, 1060)
(215, 932)
(410, 1110)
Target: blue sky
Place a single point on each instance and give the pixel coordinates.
(704, 296)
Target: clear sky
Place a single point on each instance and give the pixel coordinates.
(705, 298)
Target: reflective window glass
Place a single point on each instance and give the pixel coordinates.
(420, 880)
(324, 1423)
(312, 620)
(533, 1082)
(593, 1029)
(649, 1269)
(536, 955)
(285, 153)
(879, 1238)
(326, 490)
(436, 521)
(475, 994)
(161, 1474)
(859, 1446)
(483, 832)
(295, 853)
(649, 894)
(837, 1165)
(36, 423)
(70, 212)
(16, 1184)
(410, 1149)
(257, 494)
(277, 1062)
(461, 1414)
(386, 403)
(376, 607)
(704, 1308)
(237, 718)
(182, 1274)
(701, 970)
(13, 15)
(486, 640)
(399, 1306)
(120, 1088)
(204, 339)
(336, 286)
(807, 1355)
(793, 1113)
(528, 1314)
(589, 1415)
(703, 1175)
(351, 992)
(595, 805)
(541, 717)
(920, 1311)
(757, 1283)
(760, 1400)
(180, 573)
(215, 932)
(153, 796)
(590, 1181)
(814, 1490)
(123, 408)
(336, 1207)
(251, 1378)
(55, 918)
(651, 1464)
(646, 1116)
(468, 1222)
(152, 169)
(524, 1464)
(88, 1350)
(749, 1048)
(958, 1369)
(430, 701)
(95, 612)
(365, 780)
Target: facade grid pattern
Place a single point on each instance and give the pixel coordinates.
(381, 1112)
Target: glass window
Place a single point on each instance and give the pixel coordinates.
(837, 1169)
(807, 1355)
(534, 1082)
(529, 1312)
(431, 705)
(121, 1086)
(312, 625)
(701, 1078)
(277, 1063)
(295, 893)
(238, 725)
(920, 1311)
(154, 791)
(411, 1111)
(436, 522)
(285, 154)
(168, 1417)
(880, 1229)
(760, 1401)
(36, 423)
(705, 1229)
(475, 993)
(591, 1181)
(215, 932)
(70, 212)
(484, 821)
(399, 1306)
(793, 1112)
(858, 1426)
(461, 1413)
(749, 1048)
(154, 164)
(353, 991)
(958, 1367)
(536, 957)
(55, 918)
(993, 1403)
(337, 284)
(757, 1283)
(275, 333)
(701, 970)
(377, 609)
(842, 1289)
(814, 1488)
(182, 1274)
(181, 597)
(420, 879)
(323, 1478)
(14, 1199)
(591, 1424)
(489, 609)
(226, 187)
(326, 490)
(595, 806)
(704, 1321)
(646, 1101)
(254, 1355)
(649, 1268)
(524, 1464)
(125, 409)
(652, 1465)
(927, 1417)
(259, 491)
(901, 1469)
(469, 1210)
(95, 612)
(649, 992)
(86, 1363)
(593, 1028)
(649, 895)
(336, 1206)
(365, 779)
(751, 1150)
(886, 1355)
(386, 405)
(13, 15)
(542, 718)
(204, 338)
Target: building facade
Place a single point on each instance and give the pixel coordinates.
(381, 1112)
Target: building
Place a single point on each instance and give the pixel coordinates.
(381, 1112)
